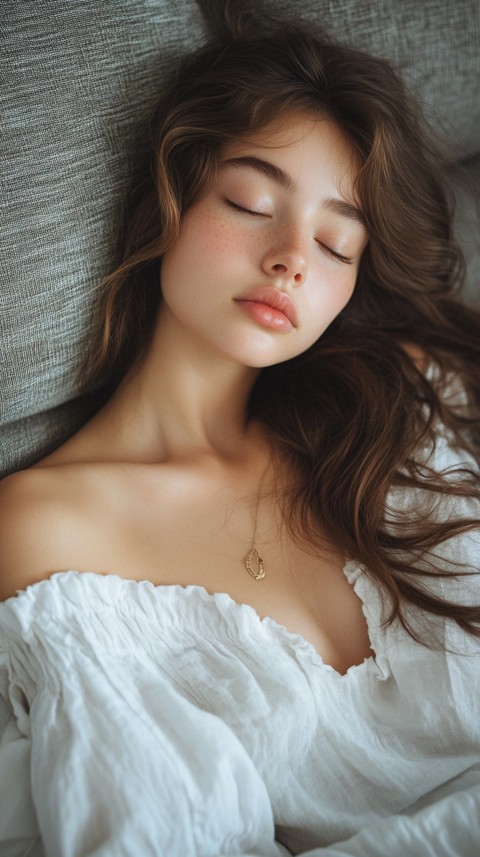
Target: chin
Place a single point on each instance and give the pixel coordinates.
(259, 350)
(254, 360)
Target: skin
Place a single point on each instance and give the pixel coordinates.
(161, 483)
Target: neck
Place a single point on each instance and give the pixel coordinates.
(185, 399)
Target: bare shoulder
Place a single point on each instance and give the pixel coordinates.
(40, 515)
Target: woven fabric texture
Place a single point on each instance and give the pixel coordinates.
(79, 79)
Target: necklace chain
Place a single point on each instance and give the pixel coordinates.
(253, 561)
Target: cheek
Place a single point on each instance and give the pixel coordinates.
(183, 262)
(346, 290)
(330, 295)
(208, 238)
(203, 256)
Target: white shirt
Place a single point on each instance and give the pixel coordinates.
(152, 720)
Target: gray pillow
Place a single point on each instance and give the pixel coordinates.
(79, 79)
(465, 182)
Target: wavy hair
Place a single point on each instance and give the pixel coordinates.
(351, 413)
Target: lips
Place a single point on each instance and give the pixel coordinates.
(272, 297)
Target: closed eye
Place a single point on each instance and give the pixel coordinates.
(237, 207)
(328, 250)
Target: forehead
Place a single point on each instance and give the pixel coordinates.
(291, 127)
(306, 147)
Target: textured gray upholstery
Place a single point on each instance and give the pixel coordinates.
(465, 181)
(79, 80)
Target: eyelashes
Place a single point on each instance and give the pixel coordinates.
(326, 249)
(246, 210)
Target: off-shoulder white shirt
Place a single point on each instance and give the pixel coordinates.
(147, 720)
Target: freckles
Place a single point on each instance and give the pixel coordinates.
(214, 233)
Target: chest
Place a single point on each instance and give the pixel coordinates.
(202, 537)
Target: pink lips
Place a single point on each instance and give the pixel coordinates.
(269, 307)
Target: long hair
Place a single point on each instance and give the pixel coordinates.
(352, 412)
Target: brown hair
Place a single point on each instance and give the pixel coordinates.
(352, 412)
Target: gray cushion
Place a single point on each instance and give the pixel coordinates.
(80, 80)
(465, 180)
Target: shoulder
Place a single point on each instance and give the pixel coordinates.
(42, 512)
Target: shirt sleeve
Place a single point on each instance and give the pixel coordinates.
(19, 834)
(110, 760)
(449, 827)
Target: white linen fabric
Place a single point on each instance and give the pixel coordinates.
(161, 720)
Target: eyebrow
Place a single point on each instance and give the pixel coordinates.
(276, 174)
(345, 209)
(265, 168)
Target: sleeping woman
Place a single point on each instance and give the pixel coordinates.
(241, 606)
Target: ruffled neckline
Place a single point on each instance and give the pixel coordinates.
(211, 613)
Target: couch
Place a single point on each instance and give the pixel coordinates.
(79, 81)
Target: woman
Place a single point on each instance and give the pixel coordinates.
(247, 616)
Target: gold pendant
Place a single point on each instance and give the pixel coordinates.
(253, 556)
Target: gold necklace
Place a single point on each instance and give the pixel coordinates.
(253, 561)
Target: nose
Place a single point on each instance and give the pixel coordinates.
(288, 262)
